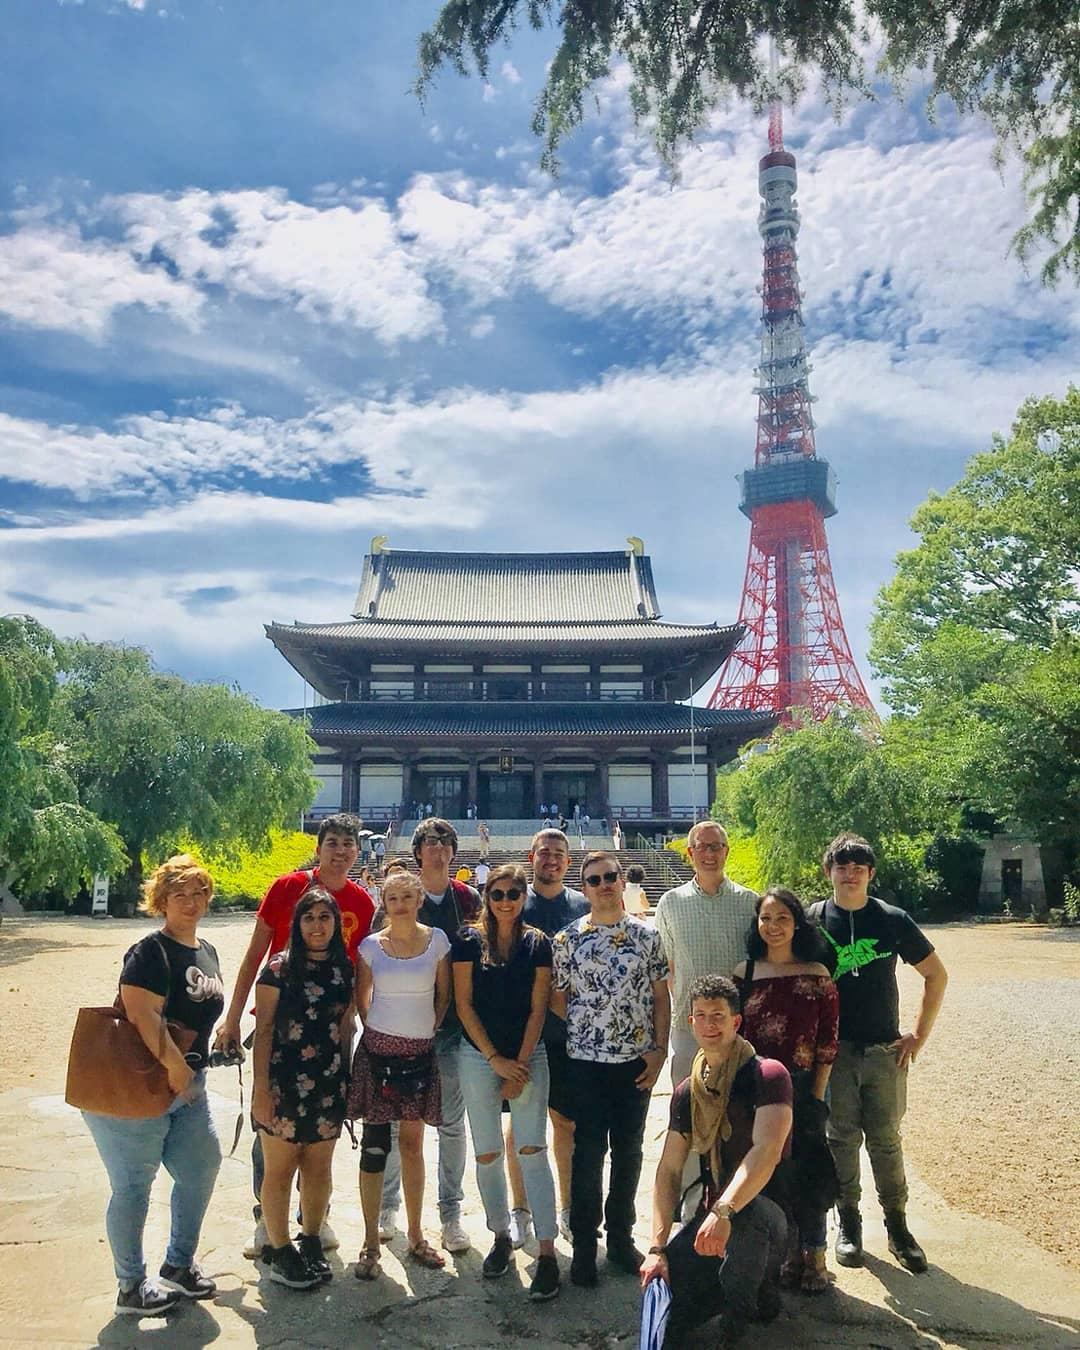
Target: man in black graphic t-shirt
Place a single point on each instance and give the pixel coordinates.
(868, 1084)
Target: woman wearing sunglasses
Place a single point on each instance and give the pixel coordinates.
(502, 980)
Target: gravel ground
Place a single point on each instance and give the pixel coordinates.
(993, 1123)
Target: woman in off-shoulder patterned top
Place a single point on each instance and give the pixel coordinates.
(790, 1013)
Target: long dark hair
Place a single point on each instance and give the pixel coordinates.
(807, 944)
(485, 922)
(294, 968)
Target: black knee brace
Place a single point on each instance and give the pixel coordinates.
(374, 1147)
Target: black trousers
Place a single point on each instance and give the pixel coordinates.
(704, 1286)
(609, 1111)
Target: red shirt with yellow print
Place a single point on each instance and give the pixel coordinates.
(279, 902)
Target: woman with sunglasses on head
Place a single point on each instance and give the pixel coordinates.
(171, 978)
(303, 1001)
(502, 982)
(791, 1014)
(402, 995)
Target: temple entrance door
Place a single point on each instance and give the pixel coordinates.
(565, 788)
(1012, 883)
(506, 796)
(446, 793)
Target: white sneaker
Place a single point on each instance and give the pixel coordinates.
(521, 1227)
(454, 1237)
(387, 1225)
(564, 1225)
(253, 1251)
(328, 1237)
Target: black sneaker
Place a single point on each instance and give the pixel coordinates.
(311, 1249)
(188, 1281)
(288, 1267)
(147, 1299)
(583, 1269)
(546, 1281)
(624, 1256)
(497, 1261)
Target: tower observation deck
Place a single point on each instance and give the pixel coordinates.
(795, 653)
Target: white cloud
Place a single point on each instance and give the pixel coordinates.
(483, 327)
(489, 94)
(343, 263)
(510, 73)
(52, 278)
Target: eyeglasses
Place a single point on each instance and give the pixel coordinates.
(709, 848)
(598, 877)
(436, 839)
(512, 893)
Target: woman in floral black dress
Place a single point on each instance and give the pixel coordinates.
(303, 1010)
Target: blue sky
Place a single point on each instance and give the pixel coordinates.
(257, 306)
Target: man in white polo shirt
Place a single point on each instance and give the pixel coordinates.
(703, 926)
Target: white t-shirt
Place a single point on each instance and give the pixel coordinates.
(403, 989)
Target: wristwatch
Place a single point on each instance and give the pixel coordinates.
(657, 1251)
(723, 1211)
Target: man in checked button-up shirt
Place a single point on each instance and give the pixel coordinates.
(703, 926)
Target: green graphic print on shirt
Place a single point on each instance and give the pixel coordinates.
(851, 956)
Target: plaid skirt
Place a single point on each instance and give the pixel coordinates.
(394, 1078)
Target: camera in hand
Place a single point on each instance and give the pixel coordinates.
(229, 1054)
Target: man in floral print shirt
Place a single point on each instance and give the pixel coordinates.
(610, 984)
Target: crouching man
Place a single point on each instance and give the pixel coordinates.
(734, 1112)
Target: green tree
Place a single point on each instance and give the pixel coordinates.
(977, 635)
(48, 840)
(1014, 61)
(164, 759)
(798, 790)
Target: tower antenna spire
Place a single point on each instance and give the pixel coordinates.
(776, 108)
(795, 653)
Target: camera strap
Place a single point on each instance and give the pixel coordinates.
(240, 1117)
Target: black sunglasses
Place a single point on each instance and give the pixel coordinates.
(514, 893)
(436, 839)
(598, 877)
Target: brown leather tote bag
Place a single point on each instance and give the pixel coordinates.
(110, 1069)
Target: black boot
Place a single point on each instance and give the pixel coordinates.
(902, 1245)
(849, 1239)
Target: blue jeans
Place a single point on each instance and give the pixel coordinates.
(528, 1116)
(184, 1139)
(451, 1136)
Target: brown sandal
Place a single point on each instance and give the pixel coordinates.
(367, 1264)
(816, 1279)
(424, 1254)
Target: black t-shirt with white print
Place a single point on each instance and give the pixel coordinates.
(191, 985)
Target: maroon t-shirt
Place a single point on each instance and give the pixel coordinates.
(760, 1082)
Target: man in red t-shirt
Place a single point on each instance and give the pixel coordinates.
(338, 847)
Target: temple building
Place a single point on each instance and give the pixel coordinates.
(511, 680)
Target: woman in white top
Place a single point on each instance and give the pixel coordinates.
(402, 994)
(634, 897)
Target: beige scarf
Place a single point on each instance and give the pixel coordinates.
(710, 1090)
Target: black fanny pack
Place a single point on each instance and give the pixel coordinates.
(409, 1074)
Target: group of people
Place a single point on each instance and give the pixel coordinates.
(524, 1006)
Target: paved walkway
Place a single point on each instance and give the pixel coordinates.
(987, 1289)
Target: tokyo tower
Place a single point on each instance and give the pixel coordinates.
(795, 653)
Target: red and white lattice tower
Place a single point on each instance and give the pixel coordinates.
(795, 653)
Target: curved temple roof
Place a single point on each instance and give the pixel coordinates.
(506, 587)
